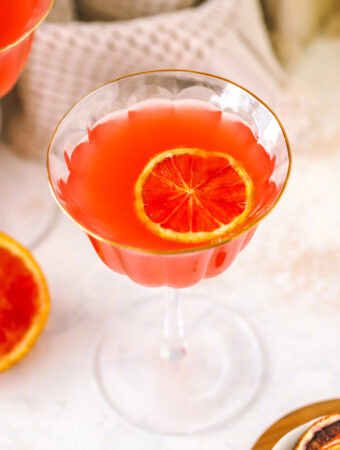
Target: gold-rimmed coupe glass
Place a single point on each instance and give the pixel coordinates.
(14, 53)
(27, 212)
(187, 363)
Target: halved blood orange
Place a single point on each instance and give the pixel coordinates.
(24, 301)
(192, 195)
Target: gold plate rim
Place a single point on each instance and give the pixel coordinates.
(295, 419)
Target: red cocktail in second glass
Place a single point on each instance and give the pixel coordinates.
(18, 20)
(169, 173)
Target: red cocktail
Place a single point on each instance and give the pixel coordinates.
(169, 173)
(18, 20)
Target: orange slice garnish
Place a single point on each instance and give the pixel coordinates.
(191, 195)
(24, 301)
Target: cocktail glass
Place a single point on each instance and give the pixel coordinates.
(27, 212)
(14, 54)
(187, 363)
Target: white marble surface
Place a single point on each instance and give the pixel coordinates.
(286, 282)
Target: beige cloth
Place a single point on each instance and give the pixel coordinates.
(294, 23)
(128, 9)
(224, 37)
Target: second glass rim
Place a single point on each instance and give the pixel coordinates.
(28, 32)
(189, 250)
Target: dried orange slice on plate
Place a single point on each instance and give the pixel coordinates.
(24, 301)
(324, 434)
(191, 195)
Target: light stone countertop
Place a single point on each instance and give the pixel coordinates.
(287, 283)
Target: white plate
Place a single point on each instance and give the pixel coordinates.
(289, 441)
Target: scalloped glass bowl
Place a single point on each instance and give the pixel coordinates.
(178, 268)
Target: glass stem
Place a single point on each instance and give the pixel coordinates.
(173, 347)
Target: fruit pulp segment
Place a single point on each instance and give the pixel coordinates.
(104, 168)
(18, 300)
(193, 192)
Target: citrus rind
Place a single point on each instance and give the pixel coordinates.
(190, 236)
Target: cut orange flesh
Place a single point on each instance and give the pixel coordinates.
(24, 301)
(191, 195)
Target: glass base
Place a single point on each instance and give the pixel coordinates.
(28, 211)
(217, 376)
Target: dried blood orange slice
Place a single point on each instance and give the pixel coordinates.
(24, 301)
(323, 434)
(192, 195)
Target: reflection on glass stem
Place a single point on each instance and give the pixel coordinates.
(173, 347)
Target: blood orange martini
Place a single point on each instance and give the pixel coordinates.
(29, 215)
(18, 20)
(169, 173)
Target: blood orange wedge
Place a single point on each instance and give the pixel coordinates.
(24, 301)
(191, 195)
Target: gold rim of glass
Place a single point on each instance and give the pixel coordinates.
(28, 32)
(186, 250)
